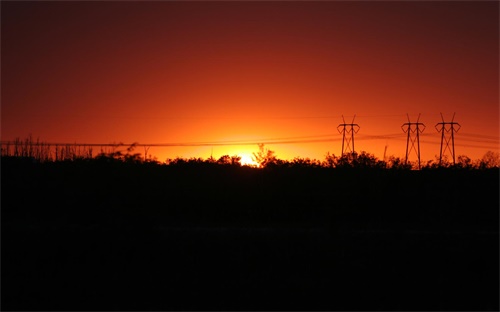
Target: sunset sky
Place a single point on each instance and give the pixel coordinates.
(229, 73)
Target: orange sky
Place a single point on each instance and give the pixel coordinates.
(183, 72)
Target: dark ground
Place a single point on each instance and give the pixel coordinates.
(114, 236)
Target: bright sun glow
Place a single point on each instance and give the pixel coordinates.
(246, 160)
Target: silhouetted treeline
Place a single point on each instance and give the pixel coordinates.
(44, 152)
(206, 190)
(115, 232)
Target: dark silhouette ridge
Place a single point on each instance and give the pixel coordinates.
(120, 233)
(42, 152)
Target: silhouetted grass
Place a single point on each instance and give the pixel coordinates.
(107, 234)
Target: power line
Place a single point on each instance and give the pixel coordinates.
(280, 140)
(190, 144)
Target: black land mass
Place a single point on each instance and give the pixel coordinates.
(101, 235)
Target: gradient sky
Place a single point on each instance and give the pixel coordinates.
(256, 71)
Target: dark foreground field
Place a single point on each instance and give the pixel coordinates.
(116, 236)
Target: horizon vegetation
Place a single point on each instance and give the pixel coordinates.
(265, 158)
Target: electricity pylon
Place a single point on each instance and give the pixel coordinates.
(449, 128)
(349, 129)
(413, 129)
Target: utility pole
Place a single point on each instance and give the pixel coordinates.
(350, 130)
(449, 128)
(413, 129)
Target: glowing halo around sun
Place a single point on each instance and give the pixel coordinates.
(247, 160)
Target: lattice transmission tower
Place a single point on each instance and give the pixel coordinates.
(413, 129)
(448, 128)
(348, 131)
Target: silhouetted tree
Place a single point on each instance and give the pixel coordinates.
(490, 160)
(176, 161)
(464, 162)
(229, 160)
(224, 160)
(119, 155)
(367, 160)
(305, 163)
(330, 161)
(346, 160)
(236, 160)
(394, 162)
(264, 157)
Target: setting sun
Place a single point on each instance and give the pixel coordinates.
(247, 160)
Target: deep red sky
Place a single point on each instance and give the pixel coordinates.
(181, 72)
